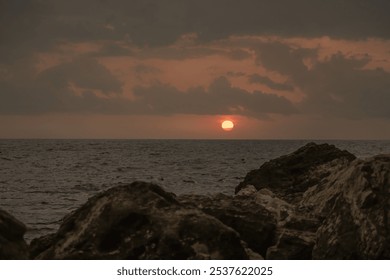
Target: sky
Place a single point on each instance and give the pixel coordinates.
(279, 69)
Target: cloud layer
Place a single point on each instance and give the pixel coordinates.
(72, 56)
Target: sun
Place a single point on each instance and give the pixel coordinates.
(227, 125)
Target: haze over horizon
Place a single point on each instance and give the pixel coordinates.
(144, 69)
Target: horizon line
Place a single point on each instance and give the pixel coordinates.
(201, 139)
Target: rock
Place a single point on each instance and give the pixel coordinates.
(140, 221)
(40, 244)
(292, 245)
(251, 254)
(354, 202)
(269, 225)
(279, 208)
(337, 237)
(248, 190)
(316, 203)
(295, 238)
(289, 176)
(12, 243)
(295, 230)
(255, 224)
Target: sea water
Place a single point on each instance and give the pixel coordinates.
(43, 180)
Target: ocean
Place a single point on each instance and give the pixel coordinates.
(43, 180)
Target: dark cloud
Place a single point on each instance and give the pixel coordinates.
(37, 24)
(219, 98)
(113, 50)
(53, 90)
(257, 79)
(340, 86)
(179, 53)
(238, 54)
(84, 73)
(191, 52)
(284, 59)
(235, 74)
(20, 33)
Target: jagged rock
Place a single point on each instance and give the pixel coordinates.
(295, 238)
(292, 245)
(140, 221)
(12, 243)
(255, 224)
(289, 176)
(301, 221)
(279, 208)
(354, 202)
(295, 230)
(294, 235)
(338, 237)
(41, 244)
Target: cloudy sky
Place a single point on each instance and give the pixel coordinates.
(279, 69)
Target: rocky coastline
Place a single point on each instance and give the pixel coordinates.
(316, 203)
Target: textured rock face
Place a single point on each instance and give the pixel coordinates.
(289, 176)
(12, 244)
(269, 225)
(292, 245)
(294, 235)
(255, 224)
(355, 202)
(327, 205)
(139, 221)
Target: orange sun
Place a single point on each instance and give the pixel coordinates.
(227, 125)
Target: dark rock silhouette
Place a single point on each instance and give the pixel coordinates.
(289, 176)
(140, 221)
(12, 244)
(316, 203)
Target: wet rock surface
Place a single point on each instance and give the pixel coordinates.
(12, 244)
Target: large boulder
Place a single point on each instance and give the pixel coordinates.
(139, 221)
(354, 203)
(255, 224)
(290, 175)
(12, 243)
